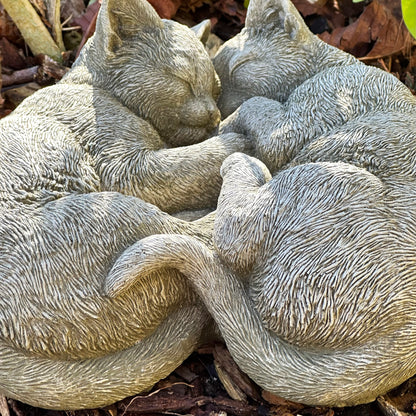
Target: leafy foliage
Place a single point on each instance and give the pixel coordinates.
(409, 15)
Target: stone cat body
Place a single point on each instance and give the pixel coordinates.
(301, 89)
(312, 276)
(273, 55)
(75, 159)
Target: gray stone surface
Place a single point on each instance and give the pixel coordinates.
(312, 280)
(271, 56)
(77, 160)
(307, 266)
(327, 247)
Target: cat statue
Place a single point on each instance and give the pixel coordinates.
(273, 54)
(130, 122)
(137, 110)
(312, 278)
(303, 88)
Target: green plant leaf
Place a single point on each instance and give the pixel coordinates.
(246, 2)
(409, 15)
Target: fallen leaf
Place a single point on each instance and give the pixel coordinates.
(1, 98)
(166, 9)
(12, 56)
(192, 5)
(376, 33)
(329, 11)
(87, 22)
(281, 402)
(8, 28)
(71, 9)
(231, 8)
(88, 17)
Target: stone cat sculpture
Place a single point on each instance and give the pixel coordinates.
(319, 107)
(75, 159)
(272, 55)
(325, 249)
(312, 280)
(62, 344)
(135, 109)
(341, 90)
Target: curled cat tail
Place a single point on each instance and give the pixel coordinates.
(316, 377)
(96, 382)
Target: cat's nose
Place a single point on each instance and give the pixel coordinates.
(215, 116)
(200, 112)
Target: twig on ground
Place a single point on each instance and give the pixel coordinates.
(4, 407)
(387, 408)
(50, 69)
(33, 30)
(54, 17)
(223, 359)
(155, 404)
(20, 77)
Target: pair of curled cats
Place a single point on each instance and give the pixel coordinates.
(307, 266)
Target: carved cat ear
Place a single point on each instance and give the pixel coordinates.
(121, 19)
(202, 30)
(276, 14)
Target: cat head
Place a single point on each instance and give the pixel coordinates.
(269, 58)
(157, 68)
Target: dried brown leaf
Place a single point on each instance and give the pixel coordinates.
(1, 98)
(87, 22)
(231, 8)
(8, 29)
(89, 17)
(375, 33)
(192, 5)
(166, 8)
(71, 9)
(282, 403)
(12, 56)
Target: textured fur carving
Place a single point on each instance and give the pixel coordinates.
(135, 110)
(271, 56)
(303, 88)
(321, 104)
(311, 277)
(312, 281)
(74, 160)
